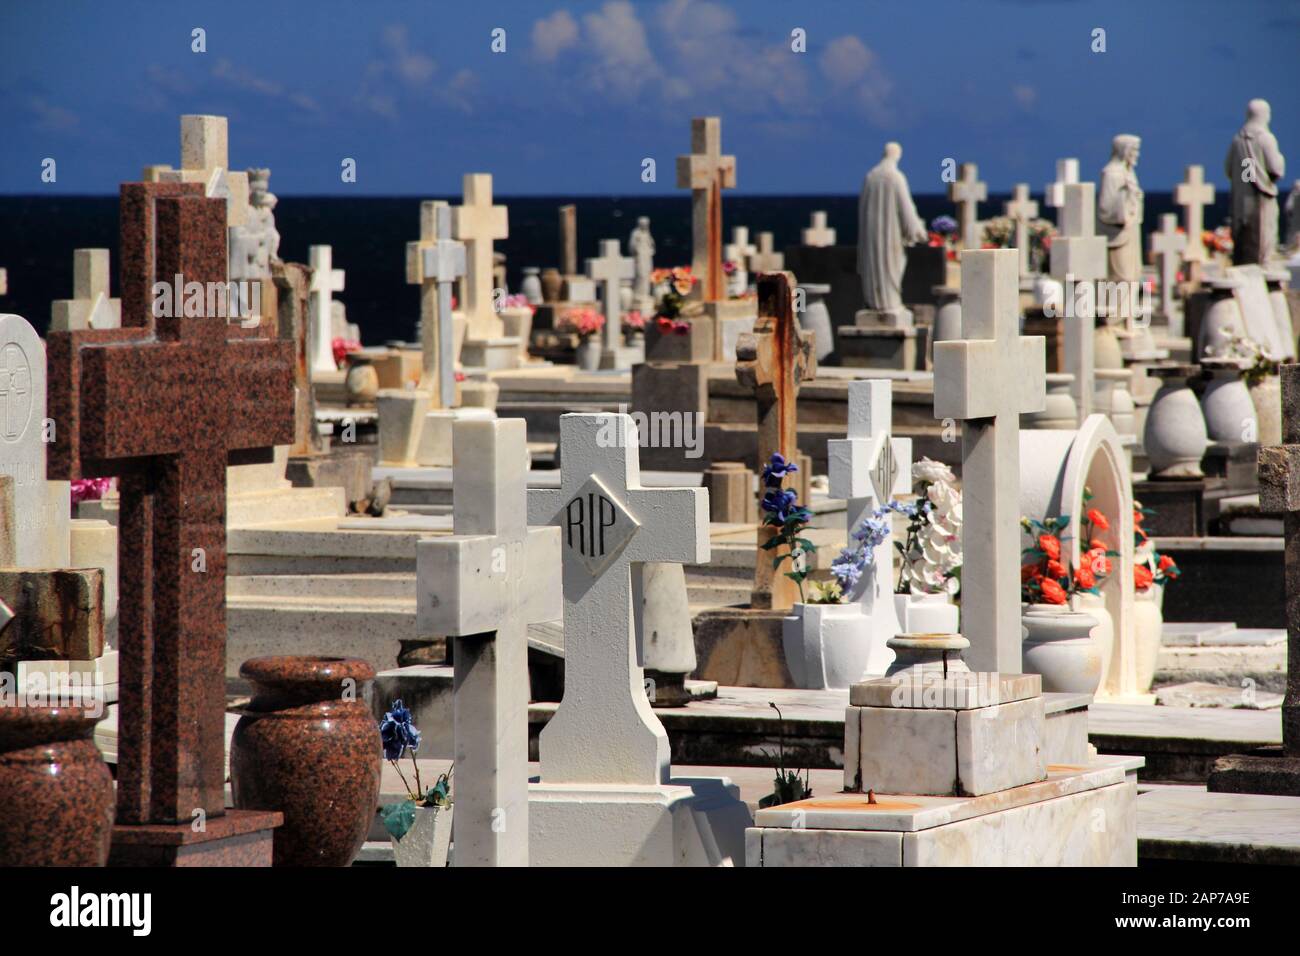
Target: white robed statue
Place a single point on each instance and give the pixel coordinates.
(1254, 165)
(887, 223)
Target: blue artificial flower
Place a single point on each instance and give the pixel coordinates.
(397, 732)
(778, 503)
(847, 568)
(774, 471)
(943, 225)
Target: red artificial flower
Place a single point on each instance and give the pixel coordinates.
(1050, 544)
(1055, 569)
(1099, 520)
(1053, 593)
(1166, 563)
(1029, 572)
(1085, 579)
(1096, 544)
(1096, 560)
(1142, 577)
(1137, 516)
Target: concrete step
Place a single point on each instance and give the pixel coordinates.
(323, 587)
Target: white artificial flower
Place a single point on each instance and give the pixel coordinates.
(927, 469)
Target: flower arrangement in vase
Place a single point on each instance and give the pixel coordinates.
(1048, 577)
(400, 737)
(943, 234)
(90, 489)
(582, 322)
(670, 288)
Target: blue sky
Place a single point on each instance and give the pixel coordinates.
(586, 90)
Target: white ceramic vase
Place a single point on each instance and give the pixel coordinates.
(926, 613)
(1266, 396)
(1103, 635)
(589, 354)
(1175, 437)
(531, 287)
(1060, 409)
(827, 646)
(1227, 406)
(428, 840)
(1059, 646)
(1148, 621)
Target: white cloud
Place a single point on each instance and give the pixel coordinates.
(617, 38)
(50, 117)
(553, 35)
(845, 61)
(401, 76)
(415, 68)
(854, 70)
(243, 79)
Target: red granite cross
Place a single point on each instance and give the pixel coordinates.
(165, 404)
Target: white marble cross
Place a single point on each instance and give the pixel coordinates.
(609, 269)
(867, 469)
(1167, 247)
(766, 258)
(1078, 259)
(483, 585)
(986, 380)
(477, 223)
(604, 730)
(968, 192)
(1067, 173)
(39, 522)
(740, 239)
(818, 234)
(435, 262)
(1193, 194)
(90, 306)
(1021, 209)
(325, 281)
(205, 159)
(705, 171)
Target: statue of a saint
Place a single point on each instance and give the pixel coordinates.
(887, 223)
(641, 247)
(1119, 210)
(1254, 165)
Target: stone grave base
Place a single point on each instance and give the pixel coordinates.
(434, 448)
(343, 467)
(1078, 816)
(491, 354)
(900, 318)
(731, 318)
(236, 838)
(696, 821)
(889, 348)
(1269, 770)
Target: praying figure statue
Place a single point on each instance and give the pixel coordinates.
(1254, 165)
(887, 224)
(641, 246)
(1119, 210)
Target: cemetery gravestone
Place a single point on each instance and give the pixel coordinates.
(968, 192)
(325, 281)
(91, 306)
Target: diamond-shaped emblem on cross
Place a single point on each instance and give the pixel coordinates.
(885, 472)
(596, 525)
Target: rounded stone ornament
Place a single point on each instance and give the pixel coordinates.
(1175, 436)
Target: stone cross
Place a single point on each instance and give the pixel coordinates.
(476, 222)
(986, 380)
(968, 192)
(604, 730)
(1077, 259)
(483, 585)
(766, 259)
(1279, 493)
(774, 360)
(1021, 209)
(34, 532)
(740, 239)
(706, 172)
(325, 281)
(867, 469)
(609, 269)
(166, 404)
(205, 160)
(1193, 194)
(818, 234)
(1167, 248)
(1067, 173)
(435, 261)
(90, 306)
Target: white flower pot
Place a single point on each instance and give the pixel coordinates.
(1059, 646)
(1267, 399)
(926, 613)
(1175, 438)
(827, 646)
(428, 840)
(531, 287)
(589, 354)
(1147, 625)
(1229, 411)
(1103, 635)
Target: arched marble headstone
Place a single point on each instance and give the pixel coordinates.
(1056, 465)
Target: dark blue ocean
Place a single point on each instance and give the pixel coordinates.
(369, 236)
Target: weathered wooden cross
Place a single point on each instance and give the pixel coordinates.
(483, 585)
(166, 404)
(774, 360)
(986, 380)
(706, 172)
(435, 262)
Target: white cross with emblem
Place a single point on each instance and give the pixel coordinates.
(867, 469)
(604, 730)
(15, 390)
(435, 262)
(987, 379)
(483, 585)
